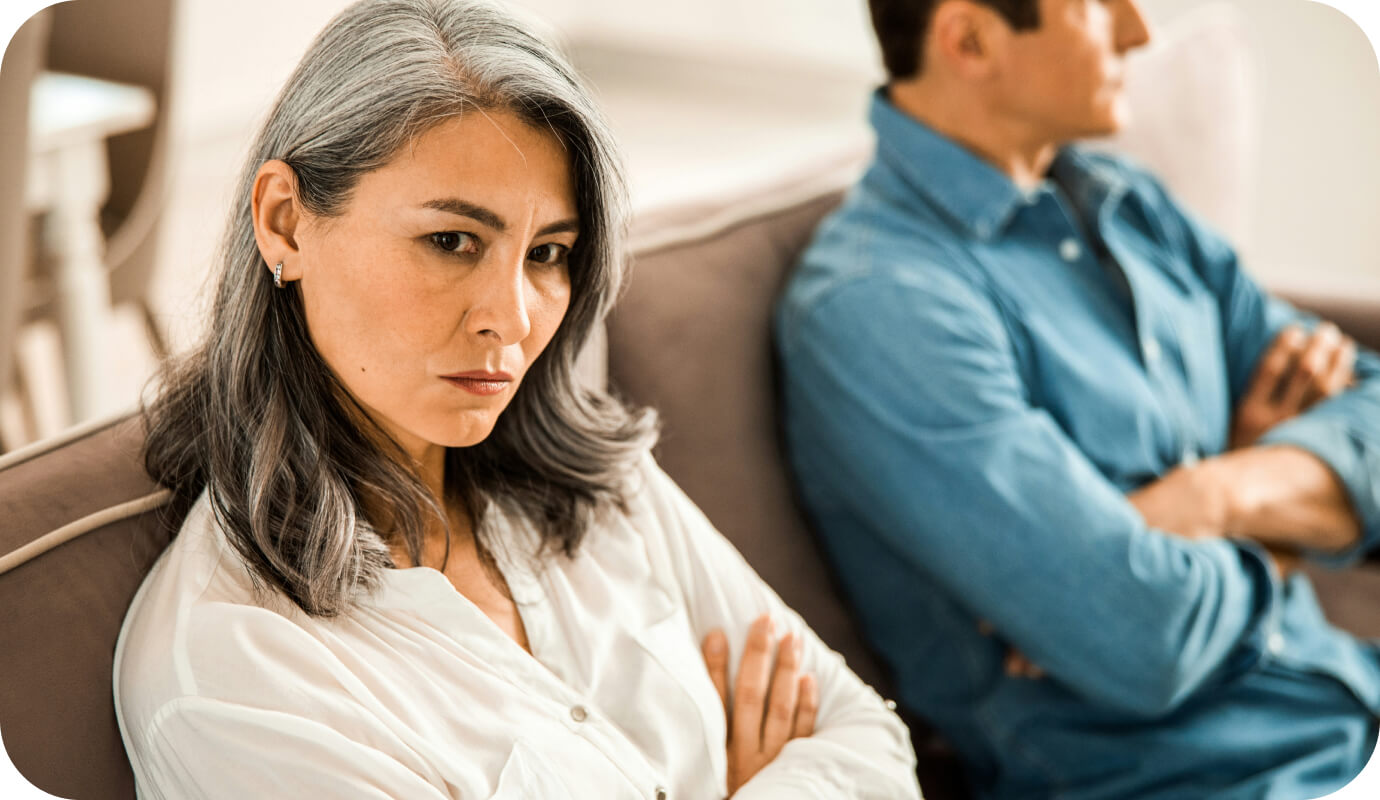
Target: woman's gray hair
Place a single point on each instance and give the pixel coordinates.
(256, 417)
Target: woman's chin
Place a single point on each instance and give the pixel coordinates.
(465, 435)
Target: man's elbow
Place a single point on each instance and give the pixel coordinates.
(1157, 687)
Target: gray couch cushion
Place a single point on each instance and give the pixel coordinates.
(692, 338)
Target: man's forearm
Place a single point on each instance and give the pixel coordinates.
(1283, 496)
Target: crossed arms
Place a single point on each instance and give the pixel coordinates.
(984, 494)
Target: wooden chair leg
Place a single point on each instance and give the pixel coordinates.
(26, 403)
(155, 333)
(28, 417)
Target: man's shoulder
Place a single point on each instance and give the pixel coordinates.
(876, 242)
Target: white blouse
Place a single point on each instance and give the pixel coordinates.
(418, 694)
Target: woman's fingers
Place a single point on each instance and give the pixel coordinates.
(750, 688)
(783, 696)
(772, 704)
(808, 708)
(715, 651)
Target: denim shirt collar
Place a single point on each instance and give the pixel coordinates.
(979, 198)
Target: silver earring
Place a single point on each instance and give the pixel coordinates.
(278, 275)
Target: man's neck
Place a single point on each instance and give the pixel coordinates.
(1006, 144)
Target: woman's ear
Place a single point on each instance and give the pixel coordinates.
(276, 215)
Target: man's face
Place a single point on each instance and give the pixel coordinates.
(1064, 79)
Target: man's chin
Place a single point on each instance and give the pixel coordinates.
(1108, 125)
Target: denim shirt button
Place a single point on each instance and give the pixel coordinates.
(1152, 351)
(1069, 250)
(1275, 643)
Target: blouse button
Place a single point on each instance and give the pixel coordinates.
(891, 705)
(660, 793)
(578, 713)
(1069, 250)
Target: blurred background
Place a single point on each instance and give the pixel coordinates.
(124, 123)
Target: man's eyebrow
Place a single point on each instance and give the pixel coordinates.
(484, 216)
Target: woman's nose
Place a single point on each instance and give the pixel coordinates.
(498, 302)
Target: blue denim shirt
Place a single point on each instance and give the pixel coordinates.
(974, 376)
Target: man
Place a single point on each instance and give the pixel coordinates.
(1061, 448)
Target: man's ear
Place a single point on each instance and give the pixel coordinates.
(277, 215)
(967, 37)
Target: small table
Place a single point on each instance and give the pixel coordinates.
(70, 117)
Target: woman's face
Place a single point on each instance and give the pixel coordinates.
(445, 277)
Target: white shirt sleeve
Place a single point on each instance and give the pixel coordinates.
(860, 749)
(199, 748)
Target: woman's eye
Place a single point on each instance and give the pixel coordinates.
(548, 253)
(454, 242)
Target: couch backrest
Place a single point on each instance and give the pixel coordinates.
(692, 338)
(87, 497)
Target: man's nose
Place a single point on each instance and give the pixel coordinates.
(1132, 28)
(498, 303)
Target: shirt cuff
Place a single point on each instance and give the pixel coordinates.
(1265, 620)
(1332, 441)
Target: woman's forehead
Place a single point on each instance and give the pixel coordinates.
(492, 154)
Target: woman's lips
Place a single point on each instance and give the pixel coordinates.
(480, 383)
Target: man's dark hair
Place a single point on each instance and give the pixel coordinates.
(901, 26)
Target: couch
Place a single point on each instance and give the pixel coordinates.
(695, 316)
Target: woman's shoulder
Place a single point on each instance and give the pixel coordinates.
(196, 625)
(654, 497)
(657, 516)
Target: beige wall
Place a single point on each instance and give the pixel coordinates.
(1319, 167)
(1317, 212)
(234, 56)
(1314, 218)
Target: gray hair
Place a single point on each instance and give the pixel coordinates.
(256, 417)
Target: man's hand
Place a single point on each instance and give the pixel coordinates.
(1284, 497)
(1015, 664)
(770, 705)
(1188, 501)
(1286, 561)
(1294, 374)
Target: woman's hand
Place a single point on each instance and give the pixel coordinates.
(770, 705)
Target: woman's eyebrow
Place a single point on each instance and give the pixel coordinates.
(564, 226)
(482, 215)
(464, 208)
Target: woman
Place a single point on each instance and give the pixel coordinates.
(421, 560)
